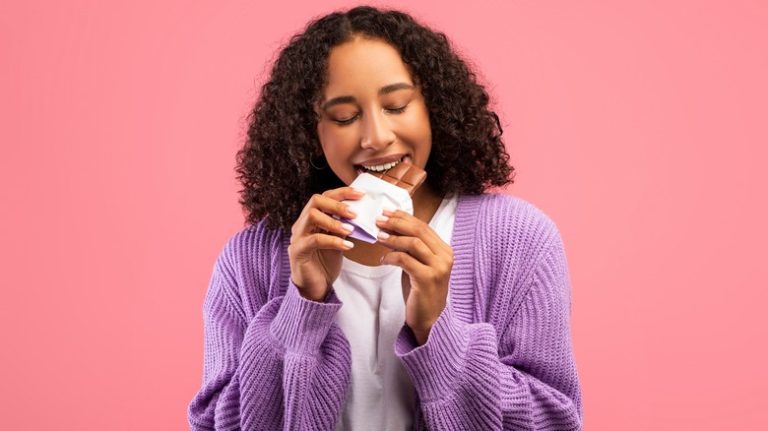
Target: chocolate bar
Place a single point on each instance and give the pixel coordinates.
(404, 175)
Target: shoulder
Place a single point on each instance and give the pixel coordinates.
(514, 241)
(515, 231)
(513, 217)
(250, 241)
(249, 261)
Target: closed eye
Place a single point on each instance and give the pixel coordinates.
(348, 121)
(344, 122)
(397, 110)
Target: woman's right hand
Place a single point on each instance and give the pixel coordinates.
(317, 242)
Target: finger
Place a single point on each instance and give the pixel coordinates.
(407, 262)
(320, 241)
(411, 245)
(343, 193)
(325, 204)
(328, 202)
(400, 222)
(320, 220)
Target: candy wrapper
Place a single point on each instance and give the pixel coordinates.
(390, 190)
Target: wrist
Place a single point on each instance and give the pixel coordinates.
(320, 296)
(313, 294)
(420, 335)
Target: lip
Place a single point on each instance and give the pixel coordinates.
(382, 160)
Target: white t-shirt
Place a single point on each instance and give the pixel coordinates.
(380, 396)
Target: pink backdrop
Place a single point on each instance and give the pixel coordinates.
(639, 127)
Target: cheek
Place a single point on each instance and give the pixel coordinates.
(416, 126)
(329, 139)
(335, 141)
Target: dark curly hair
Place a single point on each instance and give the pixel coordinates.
(467, 156)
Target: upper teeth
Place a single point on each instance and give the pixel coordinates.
(384, 167)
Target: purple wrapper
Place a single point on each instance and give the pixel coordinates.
(359, 233)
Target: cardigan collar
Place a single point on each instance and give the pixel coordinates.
(465, 231)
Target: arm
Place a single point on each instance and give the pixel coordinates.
(287, 368)
(467, 378)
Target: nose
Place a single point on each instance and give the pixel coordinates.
(377, 134)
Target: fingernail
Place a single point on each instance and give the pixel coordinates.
(348, 244)
(349, 211)
(383, 235)
(347, 227)
(382, 218)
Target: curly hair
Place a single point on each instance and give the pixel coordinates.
(274, 165)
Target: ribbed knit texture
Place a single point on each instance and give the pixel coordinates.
(499, 357)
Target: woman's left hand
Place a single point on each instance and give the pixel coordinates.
(426, 261)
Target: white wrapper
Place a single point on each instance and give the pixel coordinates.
(379, 195)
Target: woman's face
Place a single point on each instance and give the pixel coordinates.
(370, 110)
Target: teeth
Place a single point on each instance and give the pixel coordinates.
(381, 168)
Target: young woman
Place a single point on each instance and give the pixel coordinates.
(457, 318)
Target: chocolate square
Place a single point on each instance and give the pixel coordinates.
(404, 175)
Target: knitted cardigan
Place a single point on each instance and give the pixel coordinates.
(499, 356)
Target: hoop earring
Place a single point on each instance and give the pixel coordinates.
(313, 165)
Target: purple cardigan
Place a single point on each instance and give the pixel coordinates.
(499, 357)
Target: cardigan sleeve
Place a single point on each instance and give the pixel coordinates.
(464, 382)
(287, 368)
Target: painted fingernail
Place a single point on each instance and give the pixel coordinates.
(383, 235)
(347, 227)
(382, 218)
(349, 211)
(348, 244)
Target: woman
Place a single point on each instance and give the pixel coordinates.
(457, 318)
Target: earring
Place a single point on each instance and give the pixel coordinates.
(313, 165)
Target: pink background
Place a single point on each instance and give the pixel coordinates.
(639, 127)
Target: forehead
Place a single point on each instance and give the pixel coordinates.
(363, 66)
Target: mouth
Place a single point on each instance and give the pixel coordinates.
(383, 167)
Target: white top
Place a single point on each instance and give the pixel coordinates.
(380, 395)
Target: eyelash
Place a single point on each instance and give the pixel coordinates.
(350, 120)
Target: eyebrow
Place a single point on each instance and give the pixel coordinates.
(351, 99)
